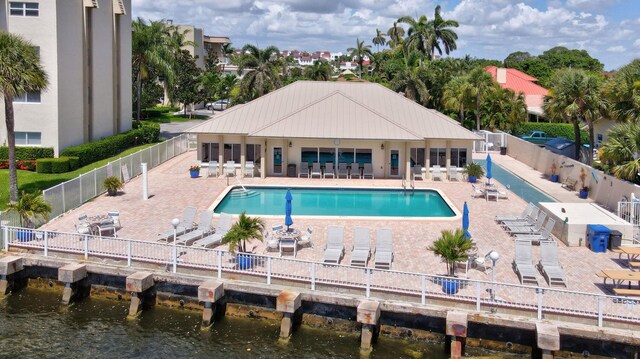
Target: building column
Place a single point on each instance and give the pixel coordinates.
(143, 292)
(407, 161)
(265, 160)
(547, 339)
(76, 285)
(285, 156)
(288, 303)
(243, 154)
(210, 293)
(427, 158)
(456, 331)
(220, 155)
(386, 167)
(368, 314)
(448, 156)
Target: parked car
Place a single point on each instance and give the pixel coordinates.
(219, 105)
(537, 137)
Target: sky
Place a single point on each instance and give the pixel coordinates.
(608, 29)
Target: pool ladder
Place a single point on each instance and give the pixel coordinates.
(411, 184)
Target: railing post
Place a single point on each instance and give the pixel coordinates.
(80, 186)
(313, 275)
(95, 182)
(600, 310)
(128, 253)
(368, 272)
(478, 291)
(539, 292)
(269, 270)
(219, 264)
(6, 238)
(423, 293)
(175, 256)
(86, 246)
(64, 207)
(46, 243)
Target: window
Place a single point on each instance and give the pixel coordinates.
(363, 155)
(438, 156)
(232, 152)
(417, 157)
(254, 153)
(210, 152)
(33, 97)
(346, 155)
(327, 154)
(458, 157)
(23, 8)
(28, 138)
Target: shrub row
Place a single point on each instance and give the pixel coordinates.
(111, 146)
(551, 129)
(27, 153)
(156, 111)
(57, 165)
(26, 165)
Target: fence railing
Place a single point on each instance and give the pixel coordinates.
(419, 287)
(492, 141)
(73, 193)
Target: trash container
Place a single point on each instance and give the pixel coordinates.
(291, 170)
(597, 237)
(615, 239)
(503, 151)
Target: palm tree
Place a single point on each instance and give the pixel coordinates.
(409, 81)
(244, 230)
(452, 247)
(457, 93)
(227, 83)
(359, 52)
(151, 49)
(503, 109)
(480, 82)
(379, 39)
(264, 75)
(319, 71)
(31, 208)
(20, 73)
(623, 92)
(420, 35)
(622, 150)
(396, 34)
(442, 33)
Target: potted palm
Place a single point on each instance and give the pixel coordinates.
(554, 168)
(584, 189)
(112, 184)
(452, 247)
(474, 171)
(32, 209)
(242, 233)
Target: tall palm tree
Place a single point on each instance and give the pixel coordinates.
(264, 75)
(409, 81)
(379, 39)
(396, 34)
(151, 48)
(457, 94)
(442, 33)
(480, 82)
(623, 92)
(244, 230)
(420, 35)
(575, 96)
(359, 52)
(503, 109)
(622, 150)
(319, 71)
(20, 73)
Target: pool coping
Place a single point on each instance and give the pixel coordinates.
(457, 213)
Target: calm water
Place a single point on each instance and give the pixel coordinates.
(517, 185)
(336, 202)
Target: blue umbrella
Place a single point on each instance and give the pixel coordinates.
(465, 220)
(489, 175)
(287, 217)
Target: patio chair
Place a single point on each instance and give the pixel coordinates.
(521, 217)
(230, 168)
(316, 170)
(549, 264)
(354, 171)
(249, 166)
(454, 174)
(83, 227)
(115, 217)
(343, 171)
(305, 239)
(523, 263)
(543, 236)
(367, 170)
(484, 262)
(213, 169)
(107, 227)
(437, 173)
(185, 226)
(303, 170)
(530, 219)
(477, 192)
(224, 224)
(204, 228)
(361, 247)
(503, 193)
(528, 229)
(272, 243)
(334, 250)
(417, 172)
(328, 170)
(384, 248)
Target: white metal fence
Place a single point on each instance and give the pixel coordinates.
(492, 141)
(423, 288)
(630, 212)
(73, 193)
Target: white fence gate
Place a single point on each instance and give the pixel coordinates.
(492, 141)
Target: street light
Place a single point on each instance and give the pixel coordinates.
(494, 256)
(175, 222)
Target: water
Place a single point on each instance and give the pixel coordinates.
(336, 202)
(517, 185)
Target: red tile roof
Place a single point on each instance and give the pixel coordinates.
(518, 81)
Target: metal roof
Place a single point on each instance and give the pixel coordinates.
(335, 110)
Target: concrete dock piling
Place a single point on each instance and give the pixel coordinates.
(456, 331)
(143, 294)
(548, 339)
(368, 315)
(76, 286)
(209, 293)
(11, 277)
(287, 303)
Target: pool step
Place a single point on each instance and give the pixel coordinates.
(239, 193)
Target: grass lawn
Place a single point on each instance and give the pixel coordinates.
(170, 117)
(31, 181)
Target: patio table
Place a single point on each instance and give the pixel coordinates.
(618, 276)
(632, 254)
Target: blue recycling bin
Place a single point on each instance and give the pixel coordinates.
(597, 237)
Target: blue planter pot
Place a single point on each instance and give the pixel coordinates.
(244, 262)
(554, 178)
(583, 194)
(450, 286)
(194, 174)
(473, 179)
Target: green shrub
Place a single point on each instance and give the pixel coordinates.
(60, 165)
(108, 147)
(43, 165)
(551, 129)
(27, 153)
(74, 163)
(165, 109)
(150, 112)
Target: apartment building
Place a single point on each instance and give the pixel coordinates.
(85, 48)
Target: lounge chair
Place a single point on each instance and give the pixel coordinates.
(328, 170)
(316, 170)
(523, 263)
(186, 225)
(204, 229)
(384, 248)
(213, 169)
(477, 192)
(343, 171)
(521, 217)
(305, 240)
(503, 193)
(549, 264)
(334, 249)
(224, 224)
(249, 166)
(527, 229)
(543, 236)
(530, 219)
(417, 172)
(230, 168)
(354, 171)
(437, 173)
(304, 169)
(361, 247)
(367, 170)
(115, 217)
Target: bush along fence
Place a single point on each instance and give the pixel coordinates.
(26, 156)
(73, 193)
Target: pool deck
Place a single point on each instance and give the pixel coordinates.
(172, 190)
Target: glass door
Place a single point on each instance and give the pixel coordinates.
(394, 163)
(277, 160)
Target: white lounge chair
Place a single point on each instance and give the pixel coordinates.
(523, 263)
(213, 169)
(384, 248)
(354, 171)
(550, 265)
(530, 219)
(437, 173)
(328, 170)
(417, 172)
(303, 170)
(204, 229)
(185, 226)
(543, 236)
(343, 171)
(316, 170)
(249, 166)
(361, 247)
(334, 249)
(521, 217)
(230, 168)
(527, 229)
(367, 170)
(477, 192)
(224, 224)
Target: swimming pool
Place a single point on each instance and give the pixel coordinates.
(315, 201)
(517, 185)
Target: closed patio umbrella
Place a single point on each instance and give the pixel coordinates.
(489, 175)
(465, 220)
(287, 217)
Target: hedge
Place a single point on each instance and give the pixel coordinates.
(551, 129)
(26, 165)
(111, 146)
(57, 165)
(27, 153)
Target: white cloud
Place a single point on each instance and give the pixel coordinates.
(618, 48)
(636, 43)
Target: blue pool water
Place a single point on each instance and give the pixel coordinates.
(518, 186)
(336, 202)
